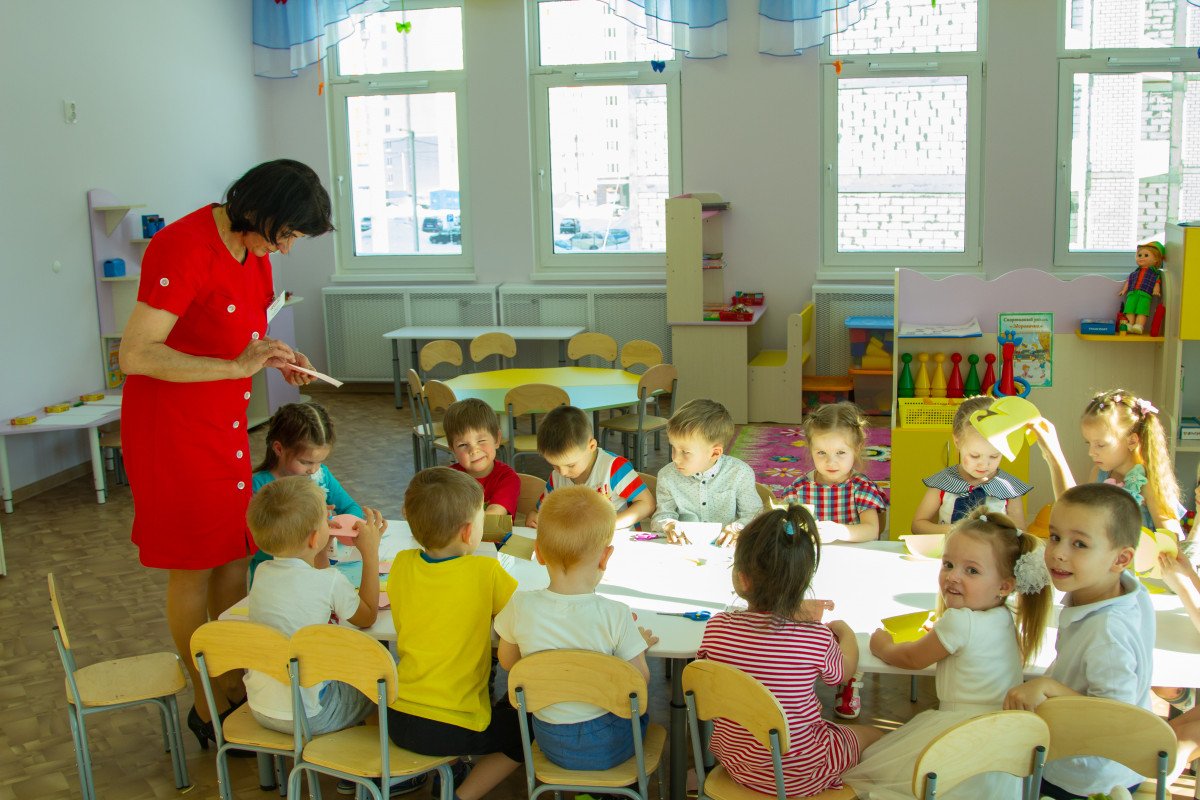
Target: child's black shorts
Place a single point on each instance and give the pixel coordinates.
(431, 738)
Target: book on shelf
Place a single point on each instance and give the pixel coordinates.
(966, 330)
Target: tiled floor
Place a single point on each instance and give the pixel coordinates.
(114, 609)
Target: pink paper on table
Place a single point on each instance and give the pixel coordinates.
(385, 567)
(384, 601)
(318, 375)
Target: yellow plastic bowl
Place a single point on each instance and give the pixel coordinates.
(907, 627)
(926, 545)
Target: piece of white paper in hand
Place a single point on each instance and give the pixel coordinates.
(318, 375)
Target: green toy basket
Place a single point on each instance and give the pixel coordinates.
(927, 412)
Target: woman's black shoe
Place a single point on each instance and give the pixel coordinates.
(205, 733)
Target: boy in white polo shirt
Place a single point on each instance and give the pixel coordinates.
(575, 542)
(1105, 631)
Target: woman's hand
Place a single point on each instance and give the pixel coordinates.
(261, 353)
(297, 378)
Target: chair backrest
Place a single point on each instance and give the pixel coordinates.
(1002, 741)
(807, 337)
(582, 676)
(592, 344)
(415, 391)
(640, 351)
(333, 652)
(720, 690)
(1097, 726)
(659, 378)
(493, 344)
(438, 396)
(651, 482)
(58, 615)
(236, 644)
(440, 351)
(534, 398)
(531, 489)
(769, 500)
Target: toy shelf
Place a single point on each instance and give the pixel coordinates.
(1100, 337)
(1187, 445)
(122, 279)
(115, 213)
(139, 240)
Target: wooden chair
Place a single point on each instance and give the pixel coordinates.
(600, 345)
(531, 489)
(496, 344)
(529, 398)
(777, 376)
(634, 427)
(362, 753)
(1097, 726)
(224, 645)
(436, 398)
(640, 352)
(651, 482)
(424, 430)
(438, 352)
(583, 676)
(1013, 742)
(718, 690)
(118, 683)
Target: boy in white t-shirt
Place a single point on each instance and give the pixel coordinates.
(575, 542)
(289, 520)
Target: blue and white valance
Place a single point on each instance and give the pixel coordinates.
(289, 36)
(789, 27)
(696, 28)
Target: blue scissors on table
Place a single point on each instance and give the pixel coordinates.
(698, 616)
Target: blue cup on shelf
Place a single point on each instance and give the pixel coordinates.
(151, 224)
(114, 268)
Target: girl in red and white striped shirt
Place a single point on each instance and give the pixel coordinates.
(781, 643)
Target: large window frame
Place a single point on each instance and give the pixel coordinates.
(585, 266)
(1112, 61)
(339, 89)
(843, 265)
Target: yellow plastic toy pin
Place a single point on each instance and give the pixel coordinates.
(1005, 424)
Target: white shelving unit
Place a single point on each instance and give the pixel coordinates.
(115, 233)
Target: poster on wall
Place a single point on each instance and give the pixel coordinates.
(1033, 359)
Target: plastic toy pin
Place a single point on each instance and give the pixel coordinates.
(1005, 424)
(646, 536)
(698, 616)
(658, 66)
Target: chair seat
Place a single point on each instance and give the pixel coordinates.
(629, 423)
(719, 786)
(770, 358)
(356, 750)
(623, 774)
(525, 443)
(423, 429)
(443, 444)
(128, 680)
(241, 727)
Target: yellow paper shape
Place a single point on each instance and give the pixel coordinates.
(907, 627)
(1150, 546)
(1004, 424)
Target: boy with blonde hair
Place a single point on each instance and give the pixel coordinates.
(702, 484)
(443, 600)
(565, 440)
(289, 520)
(473, 431)
(575, 543)
(1106, 630)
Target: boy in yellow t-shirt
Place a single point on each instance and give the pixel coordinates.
(443, 600)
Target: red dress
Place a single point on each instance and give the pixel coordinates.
(185, 445)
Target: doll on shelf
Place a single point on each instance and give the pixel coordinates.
(1143, 284)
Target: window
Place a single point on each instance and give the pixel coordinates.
(1129, 130)
(910, 89)
(396, 104)
(606, 133)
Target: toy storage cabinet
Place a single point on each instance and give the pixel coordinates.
(1181, 287)
(922, 452)
(713, 358)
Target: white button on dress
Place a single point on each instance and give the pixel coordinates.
(241, 484)
(163, 282)
(231, 308)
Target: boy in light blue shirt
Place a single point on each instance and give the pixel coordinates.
(1106, 629)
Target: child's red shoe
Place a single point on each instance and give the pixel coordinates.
(849, 703)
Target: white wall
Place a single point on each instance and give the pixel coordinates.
(169, 115)
(751, 131)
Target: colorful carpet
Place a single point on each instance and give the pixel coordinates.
(778, 455)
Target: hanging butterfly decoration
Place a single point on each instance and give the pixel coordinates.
(405, 26)
(658, 66)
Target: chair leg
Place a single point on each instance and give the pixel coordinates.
(912, 689)
(417, 447)
(178, 756)
(79, 739)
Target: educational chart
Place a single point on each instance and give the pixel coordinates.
(1033, 359)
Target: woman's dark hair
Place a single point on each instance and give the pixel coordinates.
(777, 555)
(277, 198)
(296, 425)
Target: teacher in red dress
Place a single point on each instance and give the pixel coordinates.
(196, 336)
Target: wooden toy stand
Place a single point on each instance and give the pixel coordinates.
(1081, 367)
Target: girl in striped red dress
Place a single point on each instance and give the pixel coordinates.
(780, 641)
